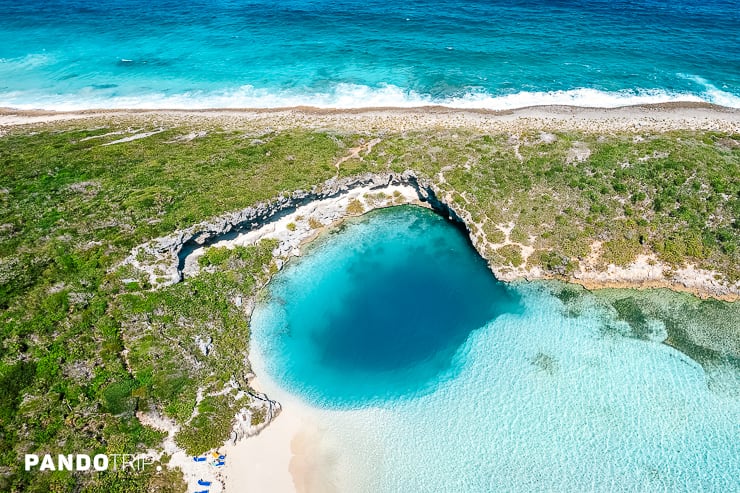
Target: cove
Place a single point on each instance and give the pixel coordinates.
(377, 309)
(514, 388)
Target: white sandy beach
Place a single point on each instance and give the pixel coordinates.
(262, 462)
(288, 456)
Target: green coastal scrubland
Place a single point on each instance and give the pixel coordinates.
(85, 343)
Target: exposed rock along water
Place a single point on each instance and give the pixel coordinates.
(164, 259)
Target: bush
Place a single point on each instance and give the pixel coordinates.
(210, 428)
(621, 251)
(214, 256)
(355, 208)
(118, 398)
(512, 255)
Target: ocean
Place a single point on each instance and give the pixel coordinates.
(424, 373)
(495, 54)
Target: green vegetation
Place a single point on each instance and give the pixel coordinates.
(376, 199)
(214, 256)
(86, 343)
(209, 427)
(511, 255)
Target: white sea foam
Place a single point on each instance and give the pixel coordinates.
(344, 96)
(713, 93)
(26, 62)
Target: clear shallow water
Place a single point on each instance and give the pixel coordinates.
(71, 54)
(542, 397)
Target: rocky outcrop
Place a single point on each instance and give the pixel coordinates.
(163, 258)
(258, 403)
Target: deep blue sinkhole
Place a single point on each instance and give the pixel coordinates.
(377, 309)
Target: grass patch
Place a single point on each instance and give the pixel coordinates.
(355, 207)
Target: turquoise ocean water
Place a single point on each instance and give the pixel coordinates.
(426, 374)
(72, 54)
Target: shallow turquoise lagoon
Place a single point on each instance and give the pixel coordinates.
(429, 375)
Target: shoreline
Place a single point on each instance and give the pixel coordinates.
(654, 117)
(273, 457)
(285, 456)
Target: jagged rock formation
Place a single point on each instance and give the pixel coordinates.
(163, 258)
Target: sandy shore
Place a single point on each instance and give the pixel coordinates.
(658, 117)
(286, 457)
(263, 462)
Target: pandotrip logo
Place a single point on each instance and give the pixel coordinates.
(83, 462)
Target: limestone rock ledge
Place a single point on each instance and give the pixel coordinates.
(296, 218)
(164, 259)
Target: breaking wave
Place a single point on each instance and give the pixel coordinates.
(347, 96)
